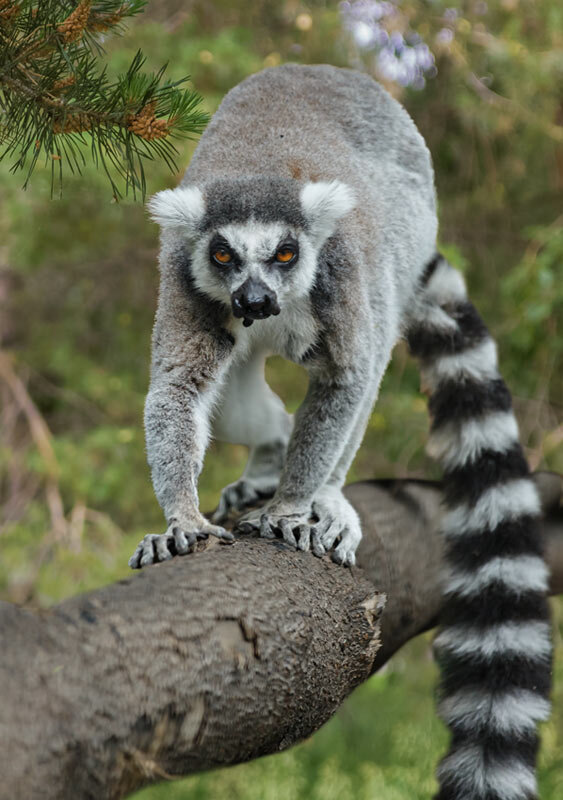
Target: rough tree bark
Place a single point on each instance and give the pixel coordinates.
(219, 657)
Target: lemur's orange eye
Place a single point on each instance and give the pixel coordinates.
(222, 256)
(284, 256)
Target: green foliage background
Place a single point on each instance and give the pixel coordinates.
(78, 287)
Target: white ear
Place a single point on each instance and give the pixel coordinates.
(181, 208)
(324, 204)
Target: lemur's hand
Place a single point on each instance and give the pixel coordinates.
(179, 539)
(293, 525)
(331, 518)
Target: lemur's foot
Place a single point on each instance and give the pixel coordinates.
(177, 541)
(337, 520)
(243, 493)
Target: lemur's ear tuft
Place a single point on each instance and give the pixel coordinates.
(323, 204)
(181, 208)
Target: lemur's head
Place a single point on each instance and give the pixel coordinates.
(253, 242)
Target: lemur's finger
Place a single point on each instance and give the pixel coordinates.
(219, 532)
(191, 540)
(135, 560)
(145, 552)
(325, 520)
(160, 544)
(344, 553)
(265, 528)
(181, 542)
(327, 531)
(148, 552)
(286, 529)
(337, 557)
(304, 537)
(316, 544)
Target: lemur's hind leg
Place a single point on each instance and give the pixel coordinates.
(259, 480)
(252, 414)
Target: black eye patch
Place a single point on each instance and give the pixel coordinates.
(287, 252)
(222, 254)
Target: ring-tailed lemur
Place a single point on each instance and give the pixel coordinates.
(303, 227)
(308, 209)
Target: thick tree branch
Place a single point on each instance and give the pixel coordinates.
(206, 660)
(219, 657)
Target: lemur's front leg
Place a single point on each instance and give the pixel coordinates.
(175, 422)
(337, 519)
(188, 363)
(322, 427)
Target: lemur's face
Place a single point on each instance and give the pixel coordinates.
(240, 254)
(254, 267)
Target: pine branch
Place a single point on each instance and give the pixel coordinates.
(55, 100)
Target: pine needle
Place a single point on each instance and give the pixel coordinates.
(58, 102)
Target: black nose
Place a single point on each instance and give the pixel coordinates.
(254, 300)
(257, 302)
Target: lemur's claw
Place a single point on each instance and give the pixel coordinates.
(155, 548)
(304, 533)
(344, 555)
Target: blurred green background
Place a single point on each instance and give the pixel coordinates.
(78, 287)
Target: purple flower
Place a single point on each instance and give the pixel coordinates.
(445, 36)
(396, 39)
(424, 58)
(364, 34)
(400, 57)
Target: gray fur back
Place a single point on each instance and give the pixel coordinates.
(309, 123)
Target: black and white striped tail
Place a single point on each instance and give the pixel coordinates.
(494, 646)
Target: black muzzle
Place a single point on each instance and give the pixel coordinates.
(254, 300)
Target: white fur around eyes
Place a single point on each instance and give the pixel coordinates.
(255, 243)
(181, 208)
(324, 203)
